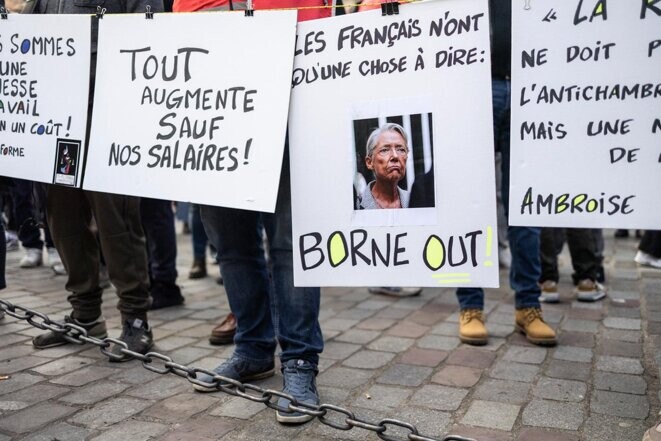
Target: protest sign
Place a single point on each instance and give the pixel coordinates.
(198, 114)
(425, 70)
(586, 121)
(44, 89)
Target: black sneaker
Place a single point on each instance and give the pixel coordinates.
(136, 333)
(165, 295)
(51, 339)
(240, 369)
(299, 381)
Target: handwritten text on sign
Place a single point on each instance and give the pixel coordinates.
(586, 129)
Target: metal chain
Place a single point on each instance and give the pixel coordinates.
(334, 416)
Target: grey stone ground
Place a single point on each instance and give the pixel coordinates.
(384, 358)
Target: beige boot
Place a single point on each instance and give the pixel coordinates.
(530, 322)
(471, 327)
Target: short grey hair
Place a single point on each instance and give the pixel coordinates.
(387, 127)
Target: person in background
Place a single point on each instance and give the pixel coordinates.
(649, 249)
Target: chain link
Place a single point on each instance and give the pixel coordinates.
(333, 416)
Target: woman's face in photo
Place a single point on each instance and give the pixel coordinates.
(388, 159)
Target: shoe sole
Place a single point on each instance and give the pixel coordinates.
(62, 343)
(549, 298)
(590, 297)
(217, 341)
(258, 376)
(474, 341)
(285, 418)
(538, 341)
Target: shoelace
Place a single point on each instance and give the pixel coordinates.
(470, 314)
(531, 314)
(299, 380)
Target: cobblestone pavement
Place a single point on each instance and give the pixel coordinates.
(384, 357)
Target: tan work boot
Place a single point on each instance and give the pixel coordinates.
(530, 322)
(471, 327)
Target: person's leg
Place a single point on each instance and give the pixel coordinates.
(650, 243)
(28, 230)
(3, 256)
(158, 224)
(583, 254)
(199, 240)
(471, 318)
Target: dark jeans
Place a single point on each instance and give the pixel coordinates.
(26, 216)
(650, 243)
(265, 305)
(158, 224)
(582, 248)
(3, 255)
(524, 241)
(198, 235)
(70, 213)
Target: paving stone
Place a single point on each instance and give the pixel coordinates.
(625, 313)
(360, 336)
(621, 365)
(369, 359)
(609, 428)
(560, 390)
(182, 406)
(622, 323)
(568, 370)
(408, 329)
(391, 344)
(471, 357)
(581, 325)
(95, 392)
(160, 388)
(405, 375)
(35, 394)
(424, 357)
(585, 314)
(60, 431)
(355, 314)
(63, 365)
(445, 328)
(110, 412)
(337, 324)
(579, 339)
(84, 376)
(502, 391)
(491, 414)
(506, 370)
(375, 324)
(569, 353)
(460, 376)
(338, 351)
(545, 435)
(18, 364)
(135, 375)
(238, 408)
(207, 428)
(133, 430)
(620, 383)
(499, 330)
(319, 432)
(438, 342)
(553, 414)
(15, 351)
(620, 348)
(619, 404)
(629, 336)
(481, 434)
(439, 397)
(522, 354)
(18, 381)
(429, 422)
(343, 377)
(32, 418)
(382, 397)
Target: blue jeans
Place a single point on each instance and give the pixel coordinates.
(198, 235)
(524, 241)
(265, 306)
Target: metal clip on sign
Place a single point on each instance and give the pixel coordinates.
(100, 12)
(3, 13)
(390, 8)
(149, 15)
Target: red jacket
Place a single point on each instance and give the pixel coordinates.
(303, 14)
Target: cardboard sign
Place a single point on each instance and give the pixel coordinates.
(44, 89)
(195, 115)
(392, 149)
(586, 125)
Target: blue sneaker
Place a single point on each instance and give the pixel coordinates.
(299, 381)
(240, 369)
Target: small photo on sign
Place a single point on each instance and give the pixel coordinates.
(66, 162)
(394, 162)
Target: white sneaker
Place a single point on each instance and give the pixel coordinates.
(646, 259)
(12, 240)
(55, 262)
(549, 292)
(396, 291)
(504, 257)
(32, 258)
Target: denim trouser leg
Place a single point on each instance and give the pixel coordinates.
(236, 234)
(198, 235)
(470, 298)
(524, 241)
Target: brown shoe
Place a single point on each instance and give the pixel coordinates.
(223, 334)
(198, 270)
(471, 327)
(530, 322)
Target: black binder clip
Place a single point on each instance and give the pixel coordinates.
(390, 8)
(3, 13)
(100, 12)
(149, 15)
(250, 12)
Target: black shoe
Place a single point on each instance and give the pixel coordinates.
(95, 328)
(240, 369)
(621, 234)
(165, 295)
(136, 333)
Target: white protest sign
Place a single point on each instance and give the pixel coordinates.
(586, 114)
(192, 107)
(44, 90)
(427, 71)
